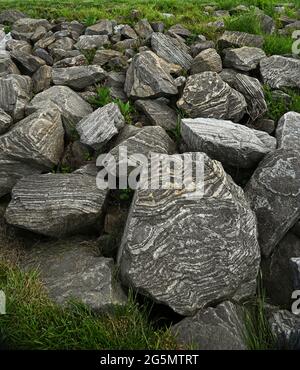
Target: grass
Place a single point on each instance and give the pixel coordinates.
(277, 108)
(34, 322)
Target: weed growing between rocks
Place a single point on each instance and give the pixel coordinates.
(278, 105)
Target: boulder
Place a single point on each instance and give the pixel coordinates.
(219, 328)
(230, 143)
(86, 42)
(244, 59)
(104, 56)
(128, 33)
(235, 39)
(273, 192)
(42, 79)
(78, 60)
(179, 30)
(5, 122)
(200, 46)
(24, 28)
(79, 77)
(171, 50)
(74, 205)
(207, 60)
(18, 45)
(10, 16)
(148, 77)
(207, 95)
(288, 131)
(99, 127)
(7, 66)
(104, 27)
(27, 63)
(143, 29)
(280, 72)
(188, 248)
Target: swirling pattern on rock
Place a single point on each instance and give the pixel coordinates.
(230, 143)
(235, 39)
(274, 194)
(187, 249)
(251, 89)
(243, 59)
(15, 92)
(171, 50)
(27, 63)
(207, 95)
(288, 131)
(99, 127)
(56, 204)
(279, 72)
(147, 77)
(219, 328)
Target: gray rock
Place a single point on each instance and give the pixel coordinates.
(39, 33)
(70, 269)
(103, 57)
(75, 204)
(207, 95)
(15, 92)
(92, 42)
(128, 44)
(230, 143)
(286, 329)
(267, 23)
(24, 28)
(219, 328)
(179, 30)
(64, 43)
(75, 28)
(49, 41)
(5, 121)
(200, 46)
(7, 66)
(18, 45)
(243, 59)
(43, 54)
(158, 113)
(288, 131)
(273, 192)
(78, 60)
(251, 89)
(158, 26)
(186, 249)
(79, 77)
(278, 72)
(278, 274)
(33, 145)
(148, 77)
(263, 124)
(99, 127)
(235, 39)
(10, 16)
(171, 50)
(59, 54)
(104, 27)
(42, 79)
(143, 29)
(128, 33)
(27, 63)
(295, 267)
(71, 106)
(207, 60)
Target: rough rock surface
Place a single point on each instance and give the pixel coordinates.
(27, 63)
(78, 77)
(105, 27)
(230, 143)
(89, 42)
(56, 204)
(171, 50)
(70, 269)
(207, 95)
(235, 39)
(5, 121)
(147, 77)
(99, 127)
(274, 195)
(42, 79)
(243, 59)
(279, 72)
(207, 60)
(286, 328)
(187, 249)
(288, 131)
(219, 328)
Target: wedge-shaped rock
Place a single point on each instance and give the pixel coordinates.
(187, 248)
(219, 328)
(235, 39)
(279, 72)
(33, 145)
(288, 131)
(78, 77)
(207, 95)
(71, 106)
(5, 121)
(56, 204)
(7, 66)
(171, 50)
(244, 59)
(15, 93)
(207, 60)
(274, 194)
(251, 89)
(105, 27)
(27, 63)
(148, 77)
(70, 269)
(24, 28)
(230, 143)
(100, 126)
(91, 42)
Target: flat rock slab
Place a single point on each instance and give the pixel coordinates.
(56, 204)
(235, 39)
(274, 194)
(219, 328)
(288, 131)
(244, 59)
(230, 143)
(279, 72)
(207, 95)
(188, 249)
(70, 269)
(148, 77)
(99, 127)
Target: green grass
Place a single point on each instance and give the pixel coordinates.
(277, 108)
(34, 322)
(247, 22)
(278, 45)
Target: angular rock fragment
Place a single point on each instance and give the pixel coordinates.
(143, 29)
(235, 39)
(91, 42)
(179, 30)
(288, 131)
(5, 121)
(207, 60)
(105, 27)
(42, 79)
(244, 59)
(18, 45)
(10, 16)
(27, 63)
(78, 60)
(104, 56)
(188, 248)
(230, 143)
(7, 66)
(286, 329)
(24, 28)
